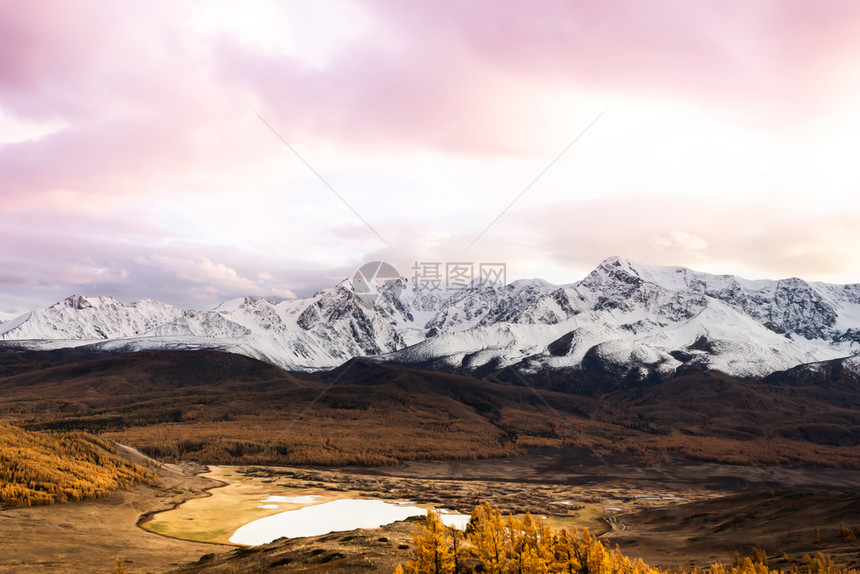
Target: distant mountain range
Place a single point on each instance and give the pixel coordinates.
(633, 319)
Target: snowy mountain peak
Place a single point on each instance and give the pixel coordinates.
(617, 263)
(75, 302)
(626, 271)
(613, 270)
(83, 302)
(630, 317)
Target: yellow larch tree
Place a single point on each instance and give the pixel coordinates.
(433, 554)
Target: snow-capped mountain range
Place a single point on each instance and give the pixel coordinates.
(643, 317)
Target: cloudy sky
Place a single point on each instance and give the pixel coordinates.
(151, 149)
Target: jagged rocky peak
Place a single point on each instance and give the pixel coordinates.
(464, 308)
(619, 284)
(799, 308)
(331, 305)
(613, 270)
(75, 302)
(252, 300)
(647, 316)
(616, 264)
(80, 302)
(531, 301)
(624, 271)
(395, 298)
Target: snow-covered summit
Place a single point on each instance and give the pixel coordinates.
(78, 318)
(635, 316)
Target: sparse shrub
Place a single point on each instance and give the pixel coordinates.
(846, 533)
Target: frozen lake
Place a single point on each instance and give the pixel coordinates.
(334, 516)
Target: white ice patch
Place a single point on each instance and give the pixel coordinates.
(309, 499)
(334, 516)
(453, 519)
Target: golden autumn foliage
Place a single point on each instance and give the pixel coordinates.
(47, 468)
(433, 546)
(493, 544)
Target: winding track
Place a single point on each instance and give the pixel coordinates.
(615, 525)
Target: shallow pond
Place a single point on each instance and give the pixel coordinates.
(334, 516)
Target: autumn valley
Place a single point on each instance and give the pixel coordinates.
(175, 451)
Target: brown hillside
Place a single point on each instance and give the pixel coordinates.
(217, 407)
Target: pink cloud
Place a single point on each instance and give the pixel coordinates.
(89, 158)
(141, 102)
(720, 51)
(48, 253)
(464, 76)
(80, 60)
(672, 231)
(43, 46)
(369, 95)
(153, 108)
(140, 110)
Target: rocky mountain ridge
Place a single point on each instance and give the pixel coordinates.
(641, 319)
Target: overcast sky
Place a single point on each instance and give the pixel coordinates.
(133, 162)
